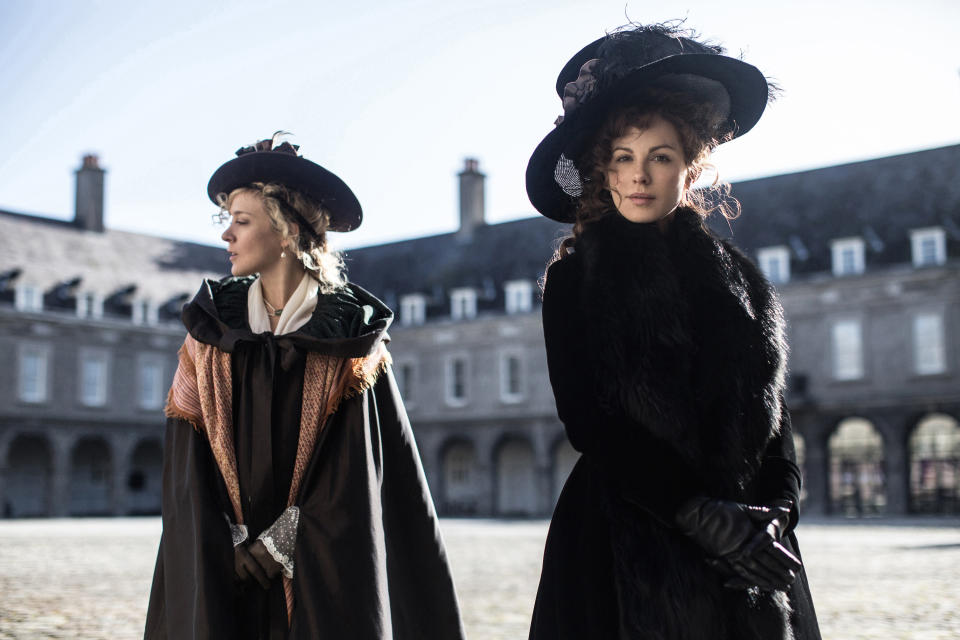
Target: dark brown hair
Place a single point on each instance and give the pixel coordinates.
(697, 125)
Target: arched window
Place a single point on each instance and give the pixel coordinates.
(857, 482)
(935, 465)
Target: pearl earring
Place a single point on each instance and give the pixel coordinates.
(283, 254)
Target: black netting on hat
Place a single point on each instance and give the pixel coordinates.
(568, 177)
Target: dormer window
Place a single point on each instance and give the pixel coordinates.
(928, 246)
(518, 295)
(89, 305)
(775, 263)
(144, 312)
(463, 303)
(28, 298)
(847, 256)
(413, 308)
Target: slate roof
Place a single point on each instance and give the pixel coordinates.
(49, 253)
(879, 200)
(433, 265)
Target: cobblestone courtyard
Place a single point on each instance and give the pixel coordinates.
(90, 578)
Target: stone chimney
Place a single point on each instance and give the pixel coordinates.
(471, 198)
(88, 212)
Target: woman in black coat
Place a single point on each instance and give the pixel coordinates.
(667, 357)
(294, 502)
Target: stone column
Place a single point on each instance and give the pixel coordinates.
(895, 427)
(543, 472)
(816, 464)
(59, 499)
(121, 446)
(486, 473)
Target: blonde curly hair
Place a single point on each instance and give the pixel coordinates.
(325, 266)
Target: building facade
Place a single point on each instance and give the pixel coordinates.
(89, 329)
(866, 257)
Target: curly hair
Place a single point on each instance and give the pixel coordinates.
(325, 266)
(696, 124)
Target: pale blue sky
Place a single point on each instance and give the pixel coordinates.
(393, 95)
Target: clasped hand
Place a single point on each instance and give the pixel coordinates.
(253, 561)
(742, 541)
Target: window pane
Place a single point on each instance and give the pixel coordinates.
(929, 355)
(847, 350)
(93, 380)
(513, 375)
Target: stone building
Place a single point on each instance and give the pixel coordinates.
(866, 257)
(89, 329)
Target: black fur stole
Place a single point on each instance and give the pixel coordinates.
(690, 342)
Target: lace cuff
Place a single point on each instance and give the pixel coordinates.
(237, 531)
(280, 538)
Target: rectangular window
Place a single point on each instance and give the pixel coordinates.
(456, 381)
(775, 263)
(928, 246)
(144, 312)
(93, 378)
(847, 350)
(518, 296)
(151, 382)
(33, 368)
(412, 309)
(848, 258)
(89, 305)
(928, 345)
(511, 376)
(405, 373)
(463, 303)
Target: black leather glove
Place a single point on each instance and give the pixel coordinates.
(246, 566)
(740, 541)
(779, 517)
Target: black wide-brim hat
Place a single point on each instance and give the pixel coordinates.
(282, 165)
(627, 64)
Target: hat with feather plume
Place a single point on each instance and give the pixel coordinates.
(621, 69)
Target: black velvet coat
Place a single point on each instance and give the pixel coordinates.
(369, 559)
(667, 356)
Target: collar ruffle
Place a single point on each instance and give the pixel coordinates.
(349, 323)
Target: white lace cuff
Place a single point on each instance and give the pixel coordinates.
(237, 531)
(280, 538)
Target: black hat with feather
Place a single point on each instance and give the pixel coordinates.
(619, 69)
(269, 162)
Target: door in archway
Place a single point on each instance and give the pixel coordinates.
(857, 479)
(27, 487)
(516, 479)
(461, 481)
(935, 465)
(143, 481)
(90, 470)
